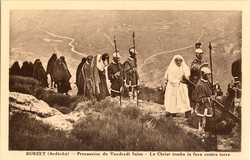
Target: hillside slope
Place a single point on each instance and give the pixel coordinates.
(37, 34)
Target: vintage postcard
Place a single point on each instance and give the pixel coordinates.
(125, 80)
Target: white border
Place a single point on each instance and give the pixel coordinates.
(6, 6)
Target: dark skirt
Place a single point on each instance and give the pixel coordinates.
(63, 86)
(104, 92)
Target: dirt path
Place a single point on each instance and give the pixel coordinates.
(58, 36)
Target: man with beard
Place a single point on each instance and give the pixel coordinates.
(176, 98)
(39, 73)
(51, 68)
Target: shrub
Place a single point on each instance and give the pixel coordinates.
(153, 95)
(23, 85)
(124, 129)
(27, 133)
(53, 98)
(31, 86)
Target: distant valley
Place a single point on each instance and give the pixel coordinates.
(159, 36)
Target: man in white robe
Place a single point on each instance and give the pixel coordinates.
(176, 95)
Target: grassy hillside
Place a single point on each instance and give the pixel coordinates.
(106, 127)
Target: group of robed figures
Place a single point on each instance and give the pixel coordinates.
(95, 76)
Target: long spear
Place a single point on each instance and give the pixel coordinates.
(211, 65)
(118, 70)
(136, 78)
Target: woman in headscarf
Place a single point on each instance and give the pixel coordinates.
(39, 73)
(176, 95)
(51, 68)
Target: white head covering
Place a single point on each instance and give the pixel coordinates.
(172, 66)
(99, 62)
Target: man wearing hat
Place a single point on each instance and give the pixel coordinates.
(195, 72)
(131, 75)
(87, 72)
(198, 45)
(195, 65)
(203, 97)
(116, 77)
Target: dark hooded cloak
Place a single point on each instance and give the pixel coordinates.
(15, 69)
(39, 73)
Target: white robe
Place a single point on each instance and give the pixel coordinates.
(176, 95)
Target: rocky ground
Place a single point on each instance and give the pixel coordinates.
(42, 111)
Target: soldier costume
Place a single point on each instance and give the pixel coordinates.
(131, 75)
(116, 77)
(202, 95)
(195, 73)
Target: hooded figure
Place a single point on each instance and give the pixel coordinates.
(15, 69)
(39, 73)
(79, 78)
(102, 62)
(30, 69)
(87, 72)
(24, 69)
(176, 95)
(62, 76)
(51, 67)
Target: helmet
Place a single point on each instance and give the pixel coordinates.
(132, 50)
(206, 70)
(116, 55)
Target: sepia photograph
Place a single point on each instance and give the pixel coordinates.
(95, 82)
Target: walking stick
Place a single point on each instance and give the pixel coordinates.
(211, 65)
(118, 70)
(136, 78)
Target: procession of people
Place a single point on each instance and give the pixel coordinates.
(189, 89)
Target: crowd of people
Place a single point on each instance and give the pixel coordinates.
(188, 89)
(96, 77)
